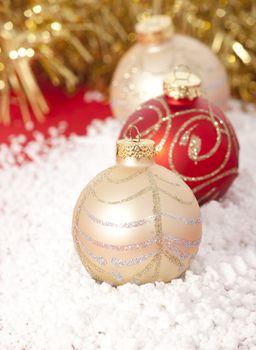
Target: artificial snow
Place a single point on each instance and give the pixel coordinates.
(47, 299)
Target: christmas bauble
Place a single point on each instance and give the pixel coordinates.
(194, 139)
(139, 74)
(136, 221)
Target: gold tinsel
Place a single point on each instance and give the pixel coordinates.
(71, 40)
(82, 40)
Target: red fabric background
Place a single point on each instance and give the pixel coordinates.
(72, 109)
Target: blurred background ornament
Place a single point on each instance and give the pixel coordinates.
(136, 222)
(140, 73)
(81, 41)
(194, 139)
(229, 28)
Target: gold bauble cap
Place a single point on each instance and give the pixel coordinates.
(154, 29)
(182, 84)
(135, 149)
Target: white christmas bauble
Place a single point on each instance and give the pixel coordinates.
(141, 71)
(137, 221)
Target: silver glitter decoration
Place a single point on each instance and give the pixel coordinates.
(182, 241)
(178, 253)
(99, 259)
(125, 247)
(131, 224)
(174, 259)
(136, 281)
(117, 276)
(149, 219)
(133, 261)
(186, 221)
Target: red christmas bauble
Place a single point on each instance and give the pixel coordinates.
(193, 138)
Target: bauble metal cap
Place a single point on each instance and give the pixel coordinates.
(154, 29)
(182, 84)
(135, 148)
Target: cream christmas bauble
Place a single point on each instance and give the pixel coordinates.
(141, 71)
(136, 222)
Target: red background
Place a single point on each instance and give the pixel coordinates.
(72, 109)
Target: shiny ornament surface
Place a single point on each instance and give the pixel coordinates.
(193, 138)
(140, 72)
(136, 221)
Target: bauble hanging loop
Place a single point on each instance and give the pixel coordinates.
(132, 126)
(184, 70)
(182, 84)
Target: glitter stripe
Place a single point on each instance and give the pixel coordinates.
(99, 259)
(166, 181)
(88, 190)
(173, 259)
(192, 110)
(133, 261)
(117, 276)
(123, 200)
(168, 118)
(140, 245)
(90, 266)
(215, 120)
(124, 247)
(180, 200)
(137, 223)
(232, 171)
(186, 221)
(212, 193)
(148, 267)
(157, 219)
(151, 131)
(182, 241)
(178, 253)
(126, 179)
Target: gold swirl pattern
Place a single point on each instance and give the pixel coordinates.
(162, 117)
(229, 172)
(202, 116)
(185, 135)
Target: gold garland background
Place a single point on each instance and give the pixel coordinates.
(82, 40)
